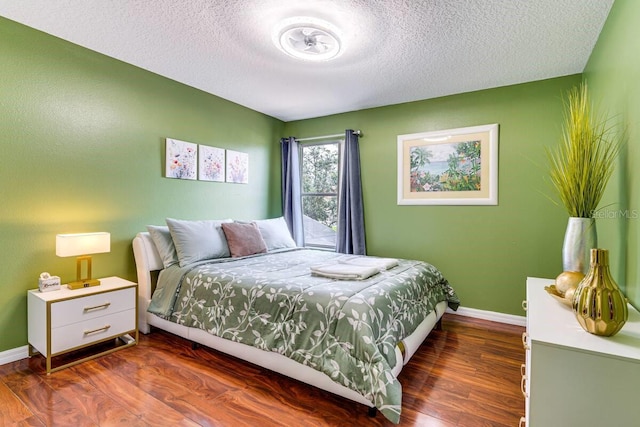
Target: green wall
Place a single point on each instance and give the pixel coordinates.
(83, 141)
(486, 252)
(612, 74)
(82, 149)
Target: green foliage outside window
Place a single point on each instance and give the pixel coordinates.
(320, 183)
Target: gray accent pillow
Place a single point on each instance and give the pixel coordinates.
(275, 233)
(164, 244)
(198, 240)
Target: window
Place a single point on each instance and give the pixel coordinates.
(319, 169)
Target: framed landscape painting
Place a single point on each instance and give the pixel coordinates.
(449, 167)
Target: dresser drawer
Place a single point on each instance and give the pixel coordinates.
(89, 307)
(80, 334)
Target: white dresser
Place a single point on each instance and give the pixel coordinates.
(573, 378)
(71, 319)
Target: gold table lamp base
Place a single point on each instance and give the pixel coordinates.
(83, 282)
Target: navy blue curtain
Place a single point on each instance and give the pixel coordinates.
(291, 198)
(350, 207)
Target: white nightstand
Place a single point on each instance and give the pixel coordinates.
(67, 320)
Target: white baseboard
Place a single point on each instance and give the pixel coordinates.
(14, 354)
(493, 316)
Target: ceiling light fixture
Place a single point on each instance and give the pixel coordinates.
(308, 38)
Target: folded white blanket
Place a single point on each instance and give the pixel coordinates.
(344, 271)
(380, 263)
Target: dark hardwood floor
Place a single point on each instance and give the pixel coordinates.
(467, 374)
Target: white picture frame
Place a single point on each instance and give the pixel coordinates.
(449, 167)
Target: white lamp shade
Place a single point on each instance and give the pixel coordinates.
(82, 244)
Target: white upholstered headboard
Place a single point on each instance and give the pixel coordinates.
(147, 260)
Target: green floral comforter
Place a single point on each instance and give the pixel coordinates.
(345, 329)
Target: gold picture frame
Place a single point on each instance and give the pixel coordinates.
(449, 167)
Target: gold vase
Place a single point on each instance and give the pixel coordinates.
(598, 303)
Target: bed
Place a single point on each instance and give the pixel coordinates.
(348, 336)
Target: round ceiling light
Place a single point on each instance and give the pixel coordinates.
(308, 38)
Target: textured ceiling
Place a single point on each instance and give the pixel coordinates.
(395, 50)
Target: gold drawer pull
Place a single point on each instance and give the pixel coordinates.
(524, 340)
(523, 422)
(104, 328)
(523, 387)
(523, 369)
(97, 307)
(525, 304)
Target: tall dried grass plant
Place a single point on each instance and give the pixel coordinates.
(583, 162)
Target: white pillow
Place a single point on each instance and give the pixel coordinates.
(164, 244)
(198, 240)
(275, 233)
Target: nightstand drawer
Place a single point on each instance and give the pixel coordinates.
(89, 307)
(92, 330)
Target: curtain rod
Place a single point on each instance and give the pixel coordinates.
(313, 138)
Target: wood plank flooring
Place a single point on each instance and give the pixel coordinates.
(467, 374)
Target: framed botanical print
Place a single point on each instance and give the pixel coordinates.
(181, 159)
